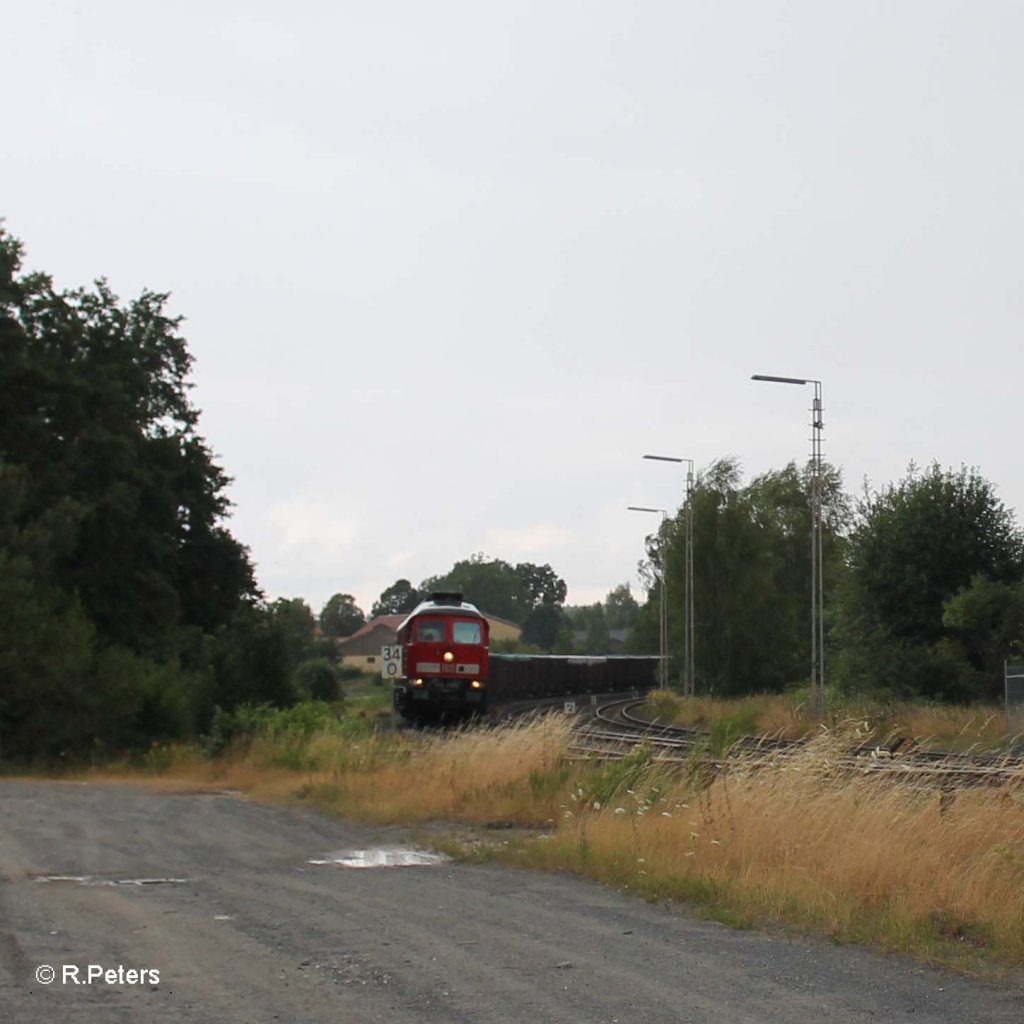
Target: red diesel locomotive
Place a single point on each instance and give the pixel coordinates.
(444, 658)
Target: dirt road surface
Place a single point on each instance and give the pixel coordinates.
(217, 894)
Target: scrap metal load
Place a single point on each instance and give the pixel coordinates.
(516, 677)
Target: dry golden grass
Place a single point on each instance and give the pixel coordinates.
(476, 775)
(859, 858)
(855, 857)
(937, 726)
(513, 773)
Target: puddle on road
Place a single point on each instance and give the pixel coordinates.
(90, 880)
(381, 857)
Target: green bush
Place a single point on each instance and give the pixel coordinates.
(664, 704)
(317, 679)
(282, 729)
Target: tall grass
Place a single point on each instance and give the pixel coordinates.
(513, 774)
(855, 857)
(788, 715)
(859, 858)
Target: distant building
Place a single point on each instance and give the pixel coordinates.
(502, 629)
(362, 649)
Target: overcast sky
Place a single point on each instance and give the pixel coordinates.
(449, 269)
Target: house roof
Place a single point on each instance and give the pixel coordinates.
(498, 618)
(388, 622)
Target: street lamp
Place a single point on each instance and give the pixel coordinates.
(817, 563)
(663, 631)
(689, 640)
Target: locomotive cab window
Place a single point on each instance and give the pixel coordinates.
(466, 632)
(430, 631)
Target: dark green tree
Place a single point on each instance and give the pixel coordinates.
(598, 640)
(645, 635)
(751, 576)
(46, 641)
(492, 585)
(297, 625)
(341, 616)
(250, 661)
(94, 404)
(917, 545)
(318, 679)
(986, 622)
(398, 599)
(621, 608)
(542, 584)
(542, 627)
(116, 562)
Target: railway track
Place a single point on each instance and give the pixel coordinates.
(616, 728)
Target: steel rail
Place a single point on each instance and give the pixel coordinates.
(621, 731)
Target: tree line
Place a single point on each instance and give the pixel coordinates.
(128, 611)
(527, 595)
(924, 583)
(522, 594)
(130, 614)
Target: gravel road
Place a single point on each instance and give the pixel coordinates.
(218, 895)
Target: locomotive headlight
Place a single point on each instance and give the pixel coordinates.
(417, 682)
(449, 657)
(476, 685)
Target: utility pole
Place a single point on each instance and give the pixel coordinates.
(689, 644)
(817, 553)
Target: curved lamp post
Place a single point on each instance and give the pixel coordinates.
(817, 566)
(689, 644)
(663, 631)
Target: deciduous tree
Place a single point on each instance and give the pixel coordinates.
(341, 616)
(398, 599)
(116, 560)
(932, 556)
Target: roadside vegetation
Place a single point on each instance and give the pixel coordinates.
(795, 845)
(932, 725)
(130, 615)
(133, 631)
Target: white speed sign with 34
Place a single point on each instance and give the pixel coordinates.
(391, 661)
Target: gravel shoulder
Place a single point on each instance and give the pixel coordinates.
(217, 894)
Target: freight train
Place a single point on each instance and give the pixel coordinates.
(449, 672)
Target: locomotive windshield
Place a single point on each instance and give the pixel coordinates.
(430, 631)
(466, 632)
